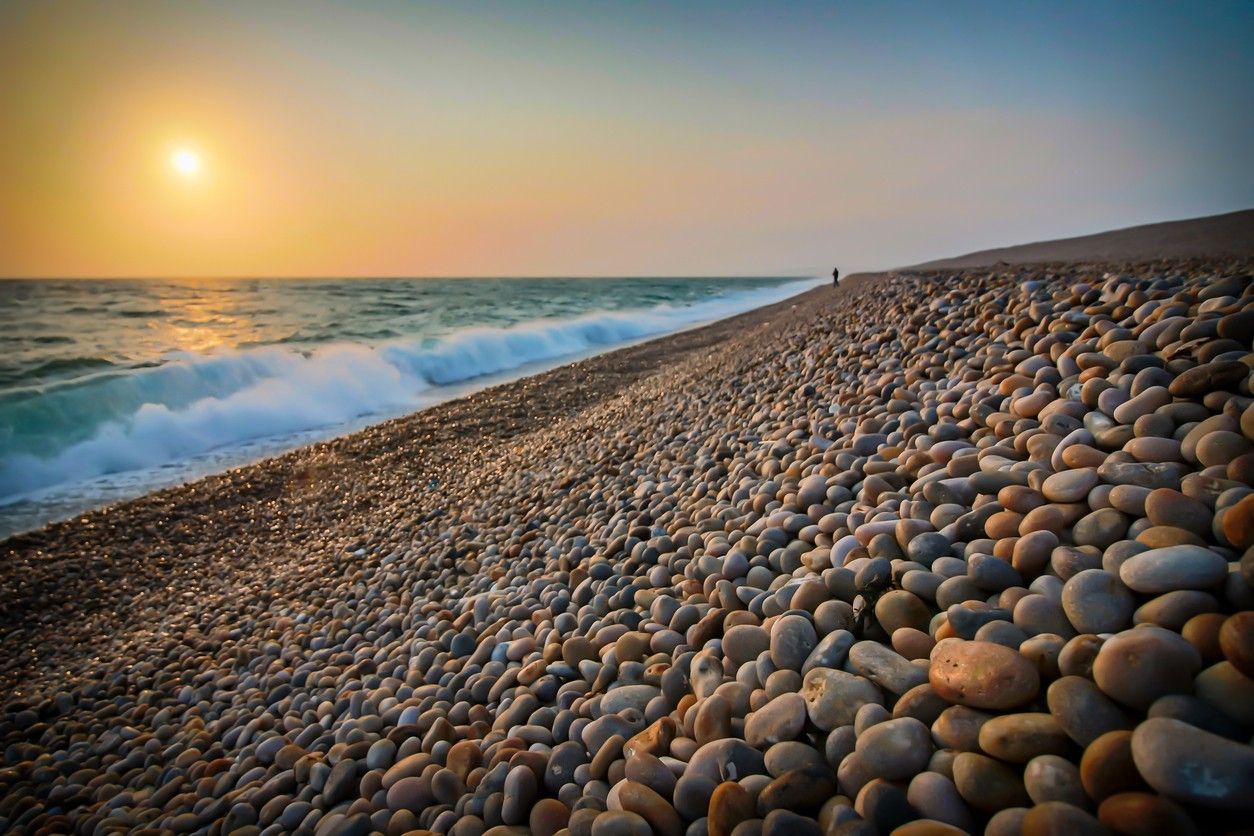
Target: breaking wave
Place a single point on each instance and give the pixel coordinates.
(120, 421)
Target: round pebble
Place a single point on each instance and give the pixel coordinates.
(982, 674)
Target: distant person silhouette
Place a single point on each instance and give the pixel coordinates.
(835, 277)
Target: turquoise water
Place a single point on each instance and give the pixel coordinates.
(110, 389)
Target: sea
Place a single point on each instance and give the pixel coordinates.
(110, 389)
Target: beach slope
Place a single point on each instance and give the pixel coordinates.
(874, 552)
(1214, 236)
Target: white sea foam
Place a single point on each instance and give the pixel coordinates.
(192, 405)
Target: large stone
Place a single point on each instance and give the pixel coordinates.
(744, 643)
(958, 728)
(1194, 766)
(792, 639)
(729, 759)
(802, 790)
(895, 750)
(899, 608)
(341, 782)
(1106, 767)
(520, 792)
(1100, 528)
(885, 667)
(1052, 817)
(936, 798)
(1070, 485)
(1054, 778)
(782, 718)
(1082, 710)
(1095, 601)
(713, 720)
(1229, 690)
(1145, 475)
(1238, 519)
(1209, 377)
(1018, 738)
(730, 804)
(987, 784)
(982, 674)
(624, 697)
(1138, 666)
(1166, 507)
(833, 697)
(635, 797)
(1236, 640)
(614, 823)
(1172, 568)
(1145, 814)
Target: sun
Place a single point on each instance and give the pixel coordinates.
(185, 162)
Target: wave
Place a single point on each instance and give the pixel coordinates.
(191, 405)
(57, 368)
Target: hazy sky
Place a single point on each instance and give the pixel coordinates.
(603, 138)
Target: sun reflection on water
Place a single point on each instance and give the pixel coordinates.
(203, 317)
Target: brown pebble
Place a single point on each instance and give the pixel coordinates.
(1106, 767)
(1236, 640)
(982, 674)
(987, 784)
(1058, 818)
(548, 817)
(1018, 738)
(1144, 814)
(1138, 666)
(1238, 523)
(644, 802)
(729, 806)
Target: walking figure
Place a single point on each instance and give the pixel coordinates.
(835, 277)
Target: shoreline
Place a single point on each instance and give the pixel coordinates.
(443, 432)
(398, 375)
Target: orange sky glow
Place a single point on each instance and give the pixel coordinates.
(401, 139)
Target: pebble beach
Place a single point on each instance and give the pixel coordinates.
(933, 552)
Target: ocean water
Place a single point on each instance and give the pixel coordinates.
(110, 389)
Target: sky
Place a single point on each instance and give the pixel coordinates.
(634, 138)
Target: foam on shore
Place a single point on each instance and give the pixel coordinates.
(195, 414)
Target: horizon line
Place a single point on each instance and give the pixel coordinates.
(397, 276)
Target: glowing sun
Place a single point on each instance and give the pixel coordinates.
(185, 162)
